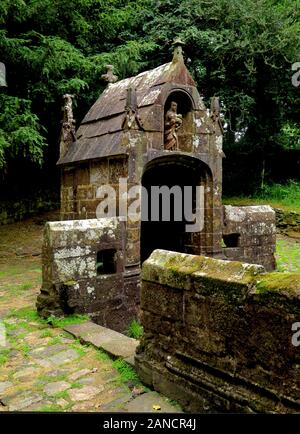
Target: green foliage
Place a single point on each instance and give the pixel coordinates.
(287, 256)
(19, 131)
(287, 194)
(4, 356)
(49, 408)
(102, 355)
(127, 373)
(289, 136)
(239, 50)
(135, 329)
(25, 313)
(67, 320)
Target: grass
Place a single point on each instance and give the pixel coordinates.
(26, 286)
(126, 372)
(54, 341)
(48, 379)
(29, 314)
(76, 385)
(287, 256)
(285, 196)
(26, 314)
(24, 348)
(47, 333)
(78, 347)
(135, 329)
(67, 320)
(64, 394)
(102, 356)
(4, 356)
(49, 408)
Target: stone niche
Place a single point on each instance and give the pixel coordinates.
(218, 335)
(83, 271)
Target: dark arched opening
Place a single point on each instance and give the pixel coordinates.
(169, 175)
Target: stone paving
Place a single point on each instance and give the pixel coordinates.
(45, 368)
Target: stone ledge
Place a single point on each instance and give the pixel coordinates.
(114, 343)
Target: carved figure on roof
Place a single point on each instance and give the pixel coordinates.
(109, 76)
(132, 119)
(68, 124)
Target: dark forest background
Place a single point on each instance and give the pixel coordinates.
(242, 51)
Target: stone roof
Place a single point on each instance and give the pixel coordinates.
(100, 133)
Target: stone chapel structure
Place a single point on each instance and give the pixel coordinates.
(151, 129)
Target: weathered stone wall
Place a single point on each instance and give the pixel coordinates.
(74, 281)
(79, 186)
(218, 334)
(249, 233)
(287, 221)
(20, 208)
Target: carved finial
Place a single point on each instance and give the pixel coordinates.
(68, 125)
(215, 111)
(132, 119)
(2, 75)
(109, 76)
(177, 53)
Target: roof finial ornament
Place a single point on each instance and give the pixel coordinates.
(177, 53)
(132, 119)
(2, 75)
(109, 76)
(68, 135)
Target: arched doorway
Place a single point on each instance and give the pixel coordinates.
(172, 186)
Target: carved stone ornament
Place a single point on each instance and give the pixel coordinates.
(68, 135)
(2, 75)
(109, 76)
(132, 119)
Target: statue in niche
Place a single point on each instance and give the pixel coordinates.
(68, 124)
(173, 121)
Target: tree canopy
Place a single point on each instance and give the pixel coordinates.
(240, 51)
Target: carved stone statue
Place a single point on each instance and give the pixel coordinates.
(215, 111)
(68, 125)
(173, 122)
(2, 75)
(109, 76)
(215, 108)
(132, 119)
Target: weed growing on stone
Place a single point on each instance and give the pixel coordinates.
(102, 356)
(135, 329)
(127, 373)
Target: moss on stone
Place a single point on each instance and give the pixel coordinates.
(190, 264)
(276, 282)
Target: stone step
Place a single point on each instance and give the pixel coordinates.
(151, 402)
(114, 343)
